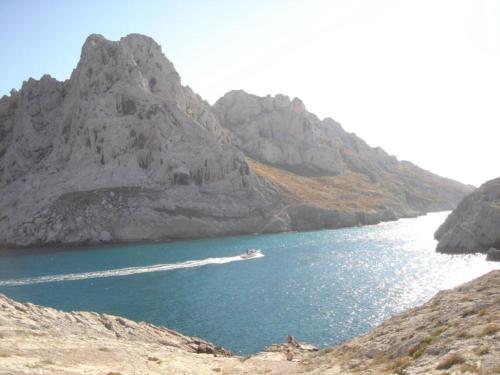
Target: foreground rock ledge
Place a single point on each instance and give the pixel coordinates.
(456, 332)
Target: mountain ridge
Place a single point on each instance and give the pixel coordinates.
(122, 151)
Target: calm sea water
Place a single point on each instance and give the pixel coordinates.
(322, 287)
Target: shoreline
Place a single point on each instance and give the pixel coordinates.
(456, 329)
(12, 249)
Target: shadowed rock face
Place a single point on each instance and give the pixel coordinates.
(281, 132)
(474, 226)
(121, 151)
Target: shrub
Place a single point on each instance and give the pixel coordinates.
(449, 361)
(464, 335)
(482, 350)
(490, 329)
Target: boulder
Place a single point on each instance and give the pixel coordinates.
(493, 254)
(474, 226)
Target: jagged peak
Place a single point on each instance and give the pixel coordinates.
(135, 38)
(278, 101)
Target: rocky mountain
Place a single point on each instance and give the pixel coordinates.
(119, 152)
(122, 151)
(456, 332)
(474, 226)
(281, 133)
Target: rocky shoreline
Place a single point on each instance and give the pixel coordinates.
(316, 223)
(456, 332)
(474, 226)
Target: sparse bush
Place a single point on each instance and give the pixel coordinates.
(438, 331)
(464, 334)
(399, 365)
(482, 350)
(419, 349)
(469, 312)
(104, 349)
(449, 361)
(490, 329)
(469, 367)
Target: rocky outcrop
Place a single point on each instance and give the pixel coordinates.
(457, 331)
(121, 152)
(282, 133)
(474, 226)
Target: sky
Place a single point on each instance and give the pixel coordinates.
(420, 79)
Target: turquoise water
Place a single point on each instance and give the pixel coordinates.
(322, 287)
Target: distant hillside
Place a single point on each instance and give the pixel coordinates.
(281, 133)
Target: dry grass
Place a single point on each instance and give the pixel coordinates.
(464, 334)
(438, 331)
(348, 192)
(449, 361)
(469, 367)
(399, 365)
(482, 350)
(490, 329)
(419, 349)
(469, 312)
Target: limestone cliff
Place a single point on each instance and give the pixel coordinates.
(474, 226)
(456, 332)
(281, 133)
(121, 152)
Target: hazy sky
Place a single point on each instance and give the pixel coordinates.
(419, 78)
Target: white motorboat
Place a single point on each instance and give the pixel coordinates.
(252, 253)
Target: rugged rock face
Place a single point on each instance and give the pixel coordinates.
(121, 151)
(281, 132)
(457, 331)
(474, 226)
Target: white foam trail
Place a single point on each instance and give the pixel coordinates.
(123, 271)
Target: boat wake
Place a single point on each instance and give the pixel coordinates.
(123, 271)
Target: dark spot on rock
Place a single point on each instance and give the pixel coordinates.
(126, 106)
(144, 160)
(181, 178)
(141, 141)
(152, 83)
